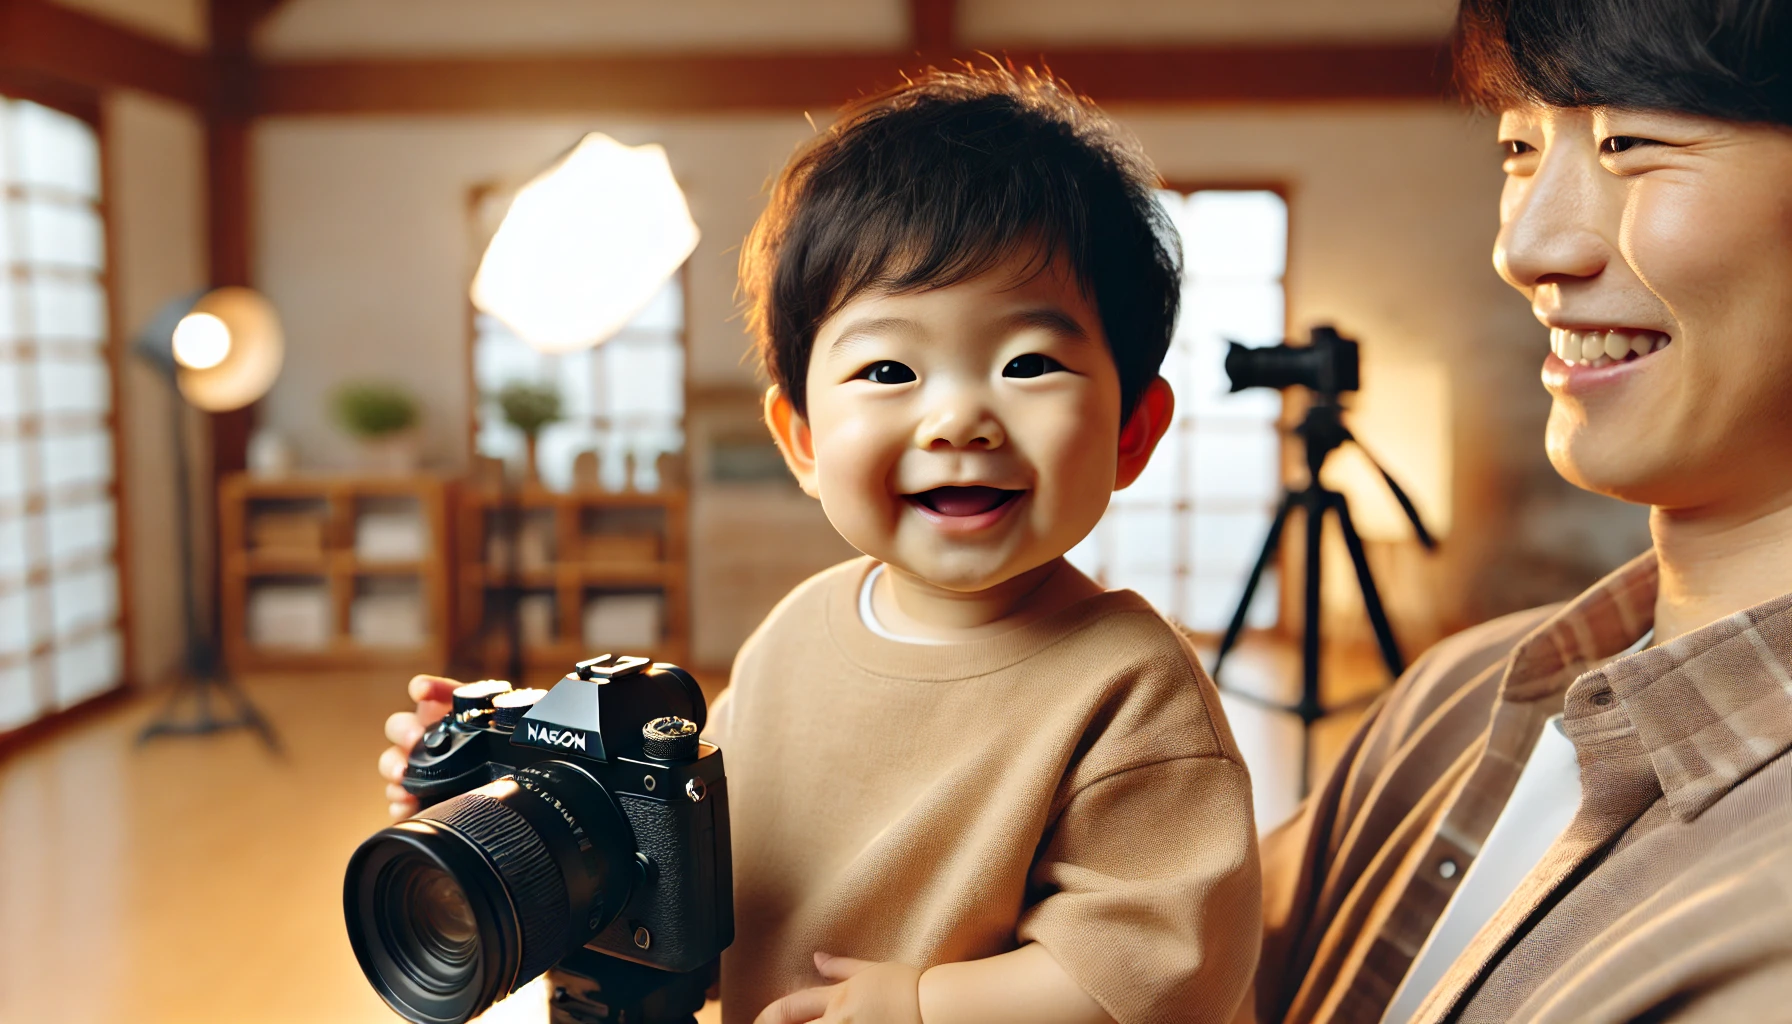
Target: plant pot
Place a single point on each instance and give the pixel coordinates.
(392, 454)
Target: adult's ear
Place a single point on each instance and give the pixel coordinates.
(1149, 422)
(791, 433)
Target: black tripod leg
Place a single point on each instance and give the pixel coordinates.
(1378, 617)
(249, 715)
(1239, 614)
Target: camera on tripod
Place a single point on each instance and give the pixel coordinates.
(1327, 364)
(1328, 367)
(583, 827)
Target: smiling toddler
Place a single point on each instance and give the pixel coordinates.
(968, 783)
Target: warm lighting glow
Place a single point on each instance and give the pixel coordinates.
(201, 341)
(586, 245)
(1402, 414)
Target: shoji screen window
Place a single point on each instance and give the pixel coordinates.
(623, 399)
(60, 637)
(1187, 532)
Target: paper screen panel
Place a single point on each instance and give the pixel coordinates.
(60, 640)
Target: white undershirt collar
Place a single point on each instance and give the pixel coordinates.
(868, 615)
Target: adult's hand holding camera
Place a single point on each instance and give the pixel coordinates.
(433, 695)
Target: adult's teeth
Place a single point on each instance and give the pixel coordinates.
(1592, 345)
(1617, 344)
(1643, 344)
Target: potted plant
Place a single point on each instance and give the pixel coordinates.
(383, 417)
(529, 407)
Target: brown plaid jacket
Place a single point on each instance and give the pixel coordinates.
(1669, 897)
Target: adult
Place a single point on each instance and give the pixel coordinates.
(1474, 857)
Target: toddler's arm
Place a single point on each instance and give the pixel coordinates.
(1026, 986)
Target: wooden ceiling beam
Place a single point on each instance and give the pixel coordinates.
(47, 41)
(706, 83)
(933, 25)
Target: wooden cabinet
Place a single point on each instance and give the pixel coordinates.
(570, 574)
(335, 572)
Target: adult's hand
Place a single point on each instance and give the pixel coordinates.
(433, 695)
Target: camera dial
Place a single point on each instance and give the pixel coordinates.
(669, 739)
(510, 707)
(477, 696)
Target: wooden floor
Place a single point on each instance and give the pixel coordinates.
(198, 880)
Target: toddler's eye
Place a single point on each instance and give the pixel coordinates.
(887, 372)
(1031, 365)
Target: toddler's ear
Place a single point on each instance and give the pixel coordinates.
(791, 432)
(1138, 438)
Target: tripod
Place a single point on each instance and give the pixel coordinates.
(1323, 432)
(204, 681)
(590, 988)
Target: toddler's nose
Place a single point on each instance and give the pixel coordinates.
(960, 424)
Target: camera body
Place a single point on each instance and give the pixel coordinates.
(1328, 365)
(583, 827)
(680, 913)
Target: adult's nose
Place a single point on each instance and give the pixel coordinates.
(1553, 224)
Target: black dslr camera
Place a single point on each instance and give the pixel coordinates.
(583, 828)
(1328, 365)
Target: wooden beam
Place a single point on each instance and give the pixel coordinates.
(933, 25)
(702, 83)
(50, 42)
(229, 204)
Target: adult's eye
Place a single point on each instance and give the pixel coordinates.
(1516, 147)
(887, 372)
(1624, 143)
(1032, 364)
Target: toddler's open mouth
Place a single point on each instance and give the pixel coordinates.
(963, 502)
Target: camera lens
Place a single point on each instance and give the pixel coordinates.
(426, 920)
(455, 908)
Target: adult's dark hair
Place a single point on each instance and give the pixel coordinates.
(1719, 58)
(943, 179)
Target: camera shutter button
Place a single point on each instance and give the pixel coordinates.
(669, 739)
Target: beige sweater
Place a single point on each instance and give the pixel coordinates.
(1071, 782)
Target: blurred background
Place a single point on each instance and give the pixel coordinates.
(416, 489)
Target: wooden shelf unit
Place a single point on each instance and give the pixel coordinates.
(571, 571)
(339, 501)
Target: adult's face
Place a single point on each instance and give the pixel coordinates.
(1658, 249)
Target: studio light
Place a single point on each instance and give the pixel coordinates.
(586, 245)
(221, 349)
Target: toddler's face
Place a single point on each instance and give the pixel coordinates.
(965, 434)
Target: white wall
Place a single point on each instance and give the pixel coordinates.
(317, 28)
(156, 172)
(310, 28)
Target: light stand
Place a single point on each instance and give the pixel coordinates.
(1322, 431)
(224, 369)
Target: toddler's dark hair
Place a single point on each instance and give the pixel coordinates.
(1730, 59)
(937, 181)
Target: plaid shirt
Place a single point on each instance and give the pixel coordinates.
(1668, 897)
